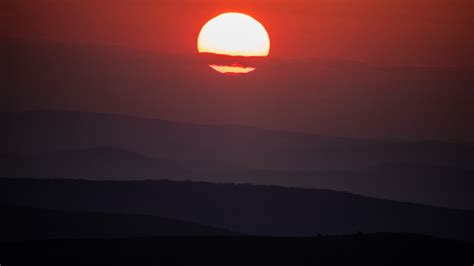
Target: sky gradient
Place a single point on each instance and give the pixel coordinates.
(401, 32)
(368, 68)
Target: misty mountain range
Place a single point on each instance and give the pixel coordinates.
(59, 144)
(329, 96)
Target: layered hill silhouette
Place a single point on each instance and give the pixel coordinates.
(96, 163)
(246, 209)
(21, 223)
(59, 144)
(82, 188)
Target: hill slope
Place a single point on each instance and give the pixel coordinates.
(95, 163)
(27, 223)
(247, 209)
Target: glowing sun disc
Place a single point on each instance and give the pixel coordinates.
(234, 34)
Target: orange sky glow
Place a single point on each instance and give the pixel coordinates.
(393, 32)
(363, 68)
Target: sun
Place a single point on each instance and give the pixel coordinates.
(234, 35)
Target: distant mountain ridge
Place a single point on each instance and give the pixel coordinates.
(106, 163)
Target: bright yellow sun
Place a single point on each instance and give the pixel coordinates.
(234, 34)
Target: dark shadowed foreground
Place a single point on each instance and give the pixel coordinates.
(360, 249)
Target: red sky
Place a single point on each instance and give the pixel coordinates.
(336, 67)
(401, 32)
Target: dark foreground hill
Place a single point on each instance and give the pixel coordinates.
(247, 209)
(446, 184)
(360, 249)
(27, 223)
